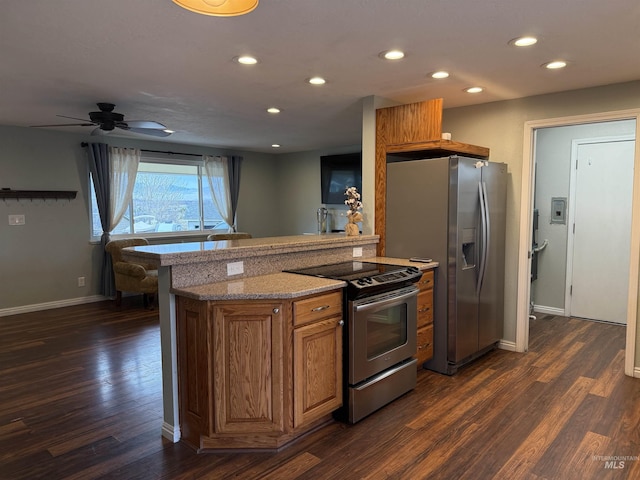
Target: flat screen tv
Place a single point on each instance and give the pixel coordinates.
(337, 172)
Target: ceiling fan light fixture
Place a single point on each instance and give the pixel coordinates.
(218, 8)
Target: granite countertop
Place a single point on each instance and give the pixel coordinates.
(403, 262)
(279, 285)
(196, 252)
(272, 286)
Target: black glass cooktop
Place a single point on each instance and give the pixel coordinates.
(348, 270)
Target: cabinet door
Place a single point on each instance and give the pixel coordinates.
(426, 281)
(424, 345)
(425, 308)
(248, 367)
(425, 318)
(317, 369)
(193, 331)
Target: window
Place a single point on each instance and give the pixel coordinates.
(169, 196)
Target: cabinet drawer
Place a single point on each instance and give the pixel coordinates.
(426, 281)
(425, 308)
(425, 345)
(317, 308)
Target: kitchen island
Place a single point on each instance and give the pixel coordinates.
(230, 319)
(186, 265)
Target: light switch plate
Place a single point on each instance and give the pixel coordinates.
(357, 251)
(16, 219)
(235, 268)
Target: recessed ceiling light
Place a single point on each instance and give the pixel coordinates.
(275, 145)
(273, 110)
(523, 41)
(556, 64)
(247, 60)
(473, 90)
(392, 54)
(317, 81)
(440, 74)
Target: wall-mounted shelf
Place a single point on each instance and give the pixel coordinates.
(44, 194)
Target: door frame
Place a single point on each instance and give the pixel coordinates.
(575, 144)
(525, 234)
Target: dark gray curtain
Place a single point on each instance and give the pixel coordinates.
(99, 167)
(234, 185)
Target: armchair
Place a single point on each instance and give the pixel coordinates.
(132, 277)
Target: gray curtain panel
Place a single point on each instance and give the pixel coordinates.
(99, 167)
(234, 186)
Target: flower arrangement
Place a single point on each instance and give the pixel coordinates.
(353, 214)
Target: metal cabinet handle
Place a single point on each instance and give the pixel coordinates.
(319, 309)
(341, 323)
(276, 310)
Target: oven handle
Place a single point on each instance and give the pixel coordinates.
(385, 300)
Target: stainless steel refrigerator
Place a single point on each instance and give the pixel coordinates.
(452, 209)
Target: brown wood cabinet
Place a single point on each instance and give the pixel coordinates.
(317, 357)
(248, 364)
(425, 318)
(257, 374)
(414, 129)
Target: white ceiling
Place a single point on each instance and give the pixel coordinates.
(157, 61)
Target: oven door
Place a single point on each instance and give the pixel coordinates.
(382, 332)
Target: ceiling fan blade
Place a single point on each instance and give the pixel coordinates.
(144, 124)
(148, 131)
(66, 125)
(75, 118)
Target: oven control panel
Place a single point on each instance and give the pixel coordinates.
(408, 274)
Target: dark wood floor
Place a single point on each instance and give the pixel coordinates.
(80, 398)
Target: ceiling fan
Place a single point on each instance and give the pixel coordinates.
(107, 120)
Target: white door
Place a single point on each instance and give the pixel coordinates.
(602, 230)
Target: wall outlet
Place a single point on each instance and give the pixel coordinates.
(357, 251)
(235, 268)
(81, 281)
(16, 219)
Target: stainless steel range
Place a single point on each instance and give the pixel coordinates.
(380, 303)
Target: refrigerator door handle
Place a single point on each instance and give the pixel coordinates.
(487, 233)
(483, 236)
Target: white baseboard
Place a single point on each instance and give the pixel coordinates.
(506, 345)
(548, 310)
(5, 312)
(636, 372)
(171, 432)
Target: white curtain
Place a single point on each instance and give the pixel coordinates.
(122, 177)
(217, 171)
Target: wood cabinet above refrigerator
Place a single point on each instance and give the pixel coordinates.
(412, 131)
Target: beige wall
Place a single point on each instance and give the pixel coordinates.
(500, 126)
(41, 260)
